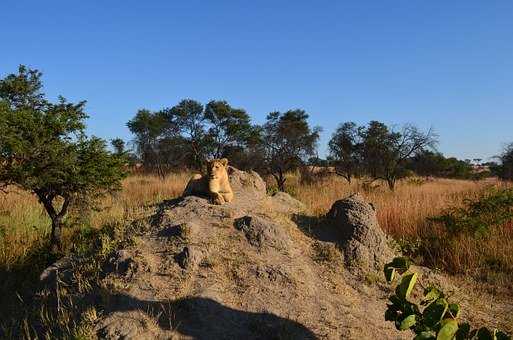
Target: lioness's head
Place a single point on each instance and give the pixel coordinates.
(216, 168)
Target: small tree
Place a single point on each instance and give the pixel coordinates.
(288, 142)
(150, 129)
(506, 167)
(119, 146)
(230, 129)
(44, 150)
(189, 118)
(345, 147)
(385, 152)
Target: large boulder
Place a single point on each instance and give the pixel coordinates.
(364, 243)
(246, 184)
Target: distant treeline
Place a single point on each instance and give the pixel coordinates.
(187, 134)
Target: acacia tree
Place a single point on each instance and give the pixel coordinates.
(345, 153)
(150, 129)
(119, 146)
(188, 134)
(189, 119)
(506, 167)
(288, 143)
(44, 150)
(385, 152)
(229, 130)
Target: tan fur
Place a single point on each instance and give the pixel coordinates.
(215, 184)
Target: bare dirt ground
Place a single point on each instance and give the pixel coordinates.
(255, 269)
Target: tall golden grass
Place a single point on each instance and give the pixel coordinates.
(24, 224)
(404, 214)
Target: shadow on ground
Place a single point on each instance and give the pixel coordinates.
(204, 318)
(319, 228)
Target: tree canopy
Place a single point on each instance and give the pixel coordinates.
(189, 133)
(506, 168)
(344, 148)
(377, 150)
(44, 149)
(289, 142)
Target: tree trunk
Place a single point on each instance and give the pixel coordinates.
(280, 180)
(47, 201)
(55, 237)
(391, 183)
(346, 176)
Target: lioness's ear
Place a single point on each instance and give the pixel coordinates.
(224, 161)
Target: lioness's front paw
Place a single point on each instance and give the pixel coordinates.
(218, 200)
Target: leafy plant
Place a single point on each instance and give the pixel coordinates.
(435, 317)
(476, 216)
(44, 149)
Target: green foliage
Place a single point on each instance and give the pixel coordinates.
(505, 169)
(492, 209)
(344, 147)
(377, 150)
(288, 142)
(189, 133)
(435, 317)
(430, 163)
(44, 149)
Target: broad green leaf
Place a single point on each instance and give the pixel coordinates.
(448, 329)
(485, 334)
(391, 313)
(426, 335)
(431, 294)
(389, 273)
(404, 289)
(454, 309)
(408, 322)
(401, 263)
(435, 312)
(463, 332)
(502, 336)
(396, 301)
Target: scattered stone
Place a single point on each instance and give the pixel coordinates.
(62, 267)
(284, 203)
(123, 262)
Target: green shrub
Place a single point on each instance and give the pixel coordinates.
(435, 317)
(492, 209)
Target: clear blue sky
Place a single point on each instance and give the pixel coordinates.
(446, 64)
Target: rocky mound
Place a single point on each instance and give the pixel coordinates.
(364, 243)
(242, 270)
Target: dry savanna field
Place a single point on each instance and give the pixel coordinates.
(404, 214)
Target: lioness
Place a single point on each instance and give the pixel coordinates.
(216, 184)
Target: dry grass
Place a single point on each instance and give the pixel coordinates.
(404, 214)
(400, 213)
(25, 226)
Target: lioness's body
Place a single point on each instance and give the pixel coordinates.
(215, 184)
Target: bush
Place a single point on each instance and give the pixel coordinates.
(435, 317)
(492, 209)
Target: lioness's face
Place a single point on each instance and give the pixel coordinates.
(216, 168)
